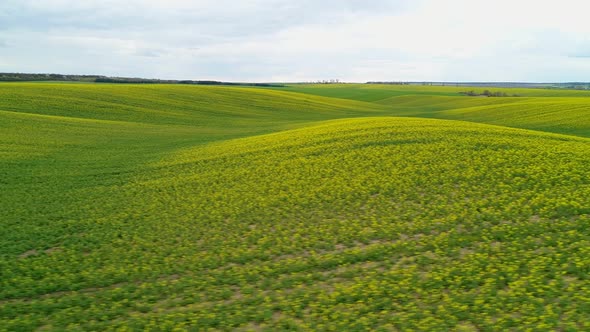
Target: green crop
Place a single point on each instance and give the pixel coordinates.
(560, 115)
(558, 111)
(160, 208)
(381, 93)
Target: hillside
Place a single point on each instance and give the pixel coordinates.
(176, 105)
(145, 207)
(549, 110)
(379, 92)
(560, 115)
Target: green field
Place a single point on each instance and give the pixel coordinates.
(305, 208)
(379, 92)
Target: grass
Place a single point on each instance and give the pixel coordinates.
(132, 207)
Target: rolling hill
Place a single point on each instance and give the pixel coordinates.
(559, 115)
(381, 92)
(146, 207)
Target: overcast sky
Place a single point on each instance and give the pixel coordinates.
(300, 40)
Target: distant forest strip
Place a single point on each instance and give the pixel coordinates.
(20, 77)
(26, 77)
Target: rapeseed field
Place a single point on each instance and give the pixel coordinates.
(172, 208)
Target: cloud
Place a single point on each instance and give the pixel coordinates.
(220, 18)
(287, 40)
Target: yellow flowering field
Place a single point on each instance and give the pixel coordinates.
(168, 208)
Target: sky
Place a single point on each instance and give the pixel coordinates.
(299, 41)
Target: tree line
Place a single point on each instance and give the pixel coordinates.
(24, 77)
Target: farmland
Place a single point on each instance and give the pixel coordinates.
(309, 207)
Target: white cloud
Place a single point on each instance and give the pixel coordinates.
(300, 40)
